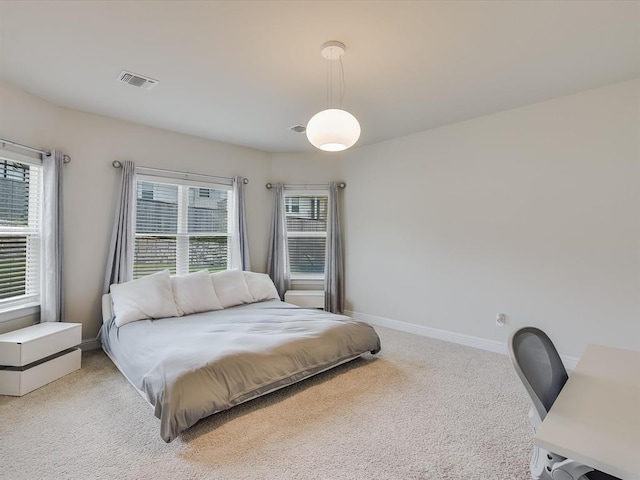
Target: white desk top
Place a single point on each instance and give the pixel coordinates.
(596, 418)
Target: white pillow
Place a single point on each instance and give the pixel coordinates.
(146, 297)
(194, 293)
(260, 286)
(231, 288)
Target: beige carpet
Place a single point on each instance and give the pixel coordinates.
(421, 409)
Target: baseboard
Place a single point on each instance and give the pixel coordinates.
(446, 335)
(90, 344)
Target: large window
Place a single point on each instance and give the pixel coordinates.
(306, 233)
(20, 227)
(181, 226)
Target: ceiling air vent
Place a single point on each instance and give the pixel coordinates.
(137, 80)
(298, 128)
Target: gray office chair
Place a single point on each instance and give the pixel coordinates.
(542, 372)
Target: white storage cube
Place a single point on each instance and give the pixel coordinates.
(27, 345)
(21, 382)
(34, 356)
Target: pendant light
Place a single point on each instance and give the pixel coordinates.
(333, 129)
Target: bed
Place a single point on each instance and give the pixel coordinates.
(193, 366)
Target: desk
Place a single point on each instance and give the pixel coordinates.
(596, 418)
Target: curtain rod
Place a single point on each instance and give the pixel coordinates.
(118, 164)
(65, 158)
(306, 185)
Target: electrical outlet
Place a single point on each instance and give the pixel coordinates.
(501, 319)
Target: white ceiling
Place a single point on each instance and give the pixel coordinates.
(244, 72)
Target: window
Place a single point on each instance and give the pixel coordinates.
(20, 227)
(182, 227)
(292, 204)
(146, 190)
(306, 232)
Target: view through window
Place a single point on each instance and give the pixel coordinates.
(181, 227)
(306, 233)
(20, 227)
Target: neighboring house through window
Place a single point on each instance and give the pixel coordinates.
(292, 204)
(20, 230)
(306, 213)
(146, 190)
(181, 226)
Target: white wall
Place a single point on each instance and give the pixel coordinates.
(302, 168)
(25, 118)
(91, 183)
(533, 212)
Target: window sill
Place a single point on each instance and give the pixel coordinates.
(18, 311)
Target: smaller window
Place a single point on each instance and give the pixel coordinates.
(204, 193)
(306, 214)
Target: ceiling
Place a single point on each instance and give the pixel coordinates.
(244, 72)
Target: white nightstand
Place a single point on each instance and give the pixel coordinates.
(34, 356)
(305, 298)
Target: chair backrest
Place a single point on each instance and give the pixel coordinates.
(539, 366)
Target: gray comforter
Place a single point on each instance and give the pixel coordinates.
(193, 366)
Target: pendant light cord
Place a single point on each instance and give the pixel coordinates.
(342, 84)
(327, 61)
(343, 88)
(331, 83)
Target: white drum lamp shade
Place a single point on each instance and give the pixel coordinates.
(333, 130)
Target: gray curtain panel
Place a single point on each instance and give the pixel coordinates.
(120, 262)
(334, 261)
(278, 258)
(240, 233)
(52, 291)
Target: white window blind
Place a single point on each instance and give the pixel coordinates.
(20, 228)
(181, 227)
(306, 232)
